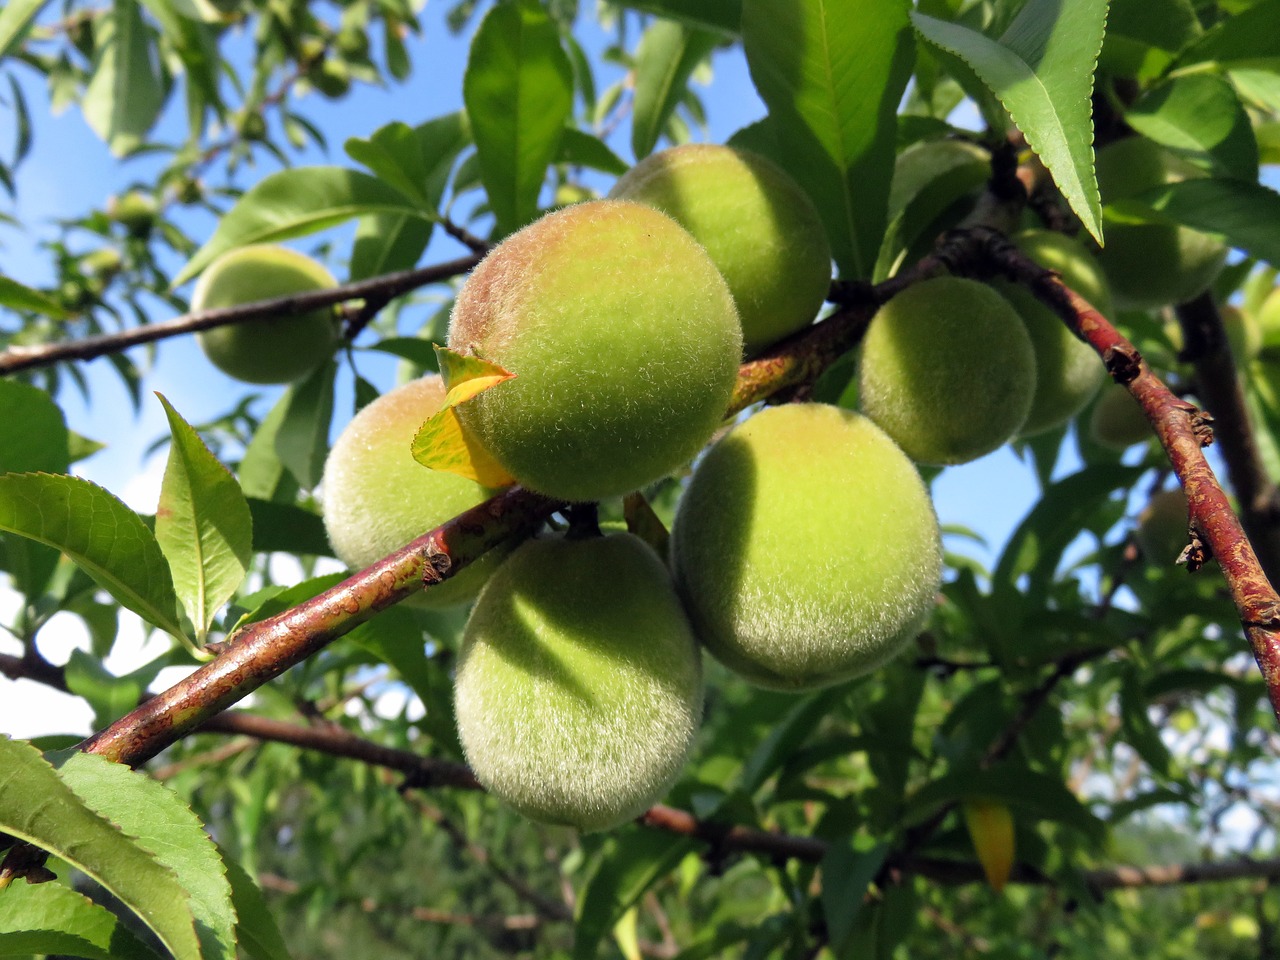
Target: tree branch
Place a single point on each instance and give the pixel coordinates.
(1207, 347)
(385, 287)
(1181, 428)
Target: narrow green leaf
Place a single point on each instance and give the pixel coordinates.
(723, 15)
(847, 871)
(164, 826)
(33, 431)
(1136, 723)
(518, 89)
(256, 930)
(15, 17)
(15, 296)
(832, 75)
(262, 475)
(1251, 35)
(111, 697)
(293, 203)
(1200, 113)
(633, 862)
(126, 90)
(38, 807)
(303, 440)
(1144, 36)
(1055, 521)
(202, 524)
(580, 149)
(285, 528)
(103, 536)
(1246, 214)
(51, 918)
(1039, 794)
(1041, 70)
(668, 53)
(414, 160)
(386, 242)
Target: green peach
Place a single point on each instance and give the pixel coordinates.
(377, 497)
(1162, 527)
(760, 228)
(579, 687)
(1151, 264)
(806, 547)
(947, 370)
(1117, 420)
(1068, 371)
(624, 342)
(276, 350)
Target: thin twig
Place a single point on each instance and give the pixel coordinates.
(26, 357)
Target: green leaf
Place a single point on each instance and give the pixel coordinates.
(579, 149)
(1250, 36)
(832, 75)
(103, 536)
(51, 918)
(1144, 36)
(1037, 793)
(15, 296)
(630, 864)
(15, 17)
(1054, 522)
(419, 352)
(33, 432)
(164, 826)
(286, 528)
(111, 697)
(293, 203)
(1136, 723)
(1200, 113)
(1246, 214)
(262, 474)
(303, 440)
(38, 807)
(202, 524)
(387, 242)
(518, 89)
(723, 15)
(256, 930)
(1041, 70)
(414, 160)
(847, 871)
(668, 53)
(126, 91)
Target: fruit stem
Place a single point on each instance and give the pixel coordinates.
(584, 521)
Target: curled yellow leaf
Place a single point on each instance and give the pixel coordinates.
(991, 829)
(442, 443)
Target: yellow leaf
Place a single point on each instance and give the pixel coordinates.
(442, 443)
(991, 829)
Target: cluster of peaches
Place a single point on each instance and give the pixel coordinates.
(805, 549)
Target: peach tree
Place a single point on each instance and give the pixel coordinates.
(1048, 737)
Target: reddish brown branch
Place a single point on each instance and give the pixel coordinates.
(378, 288)
(264, 650)
(1182, 430)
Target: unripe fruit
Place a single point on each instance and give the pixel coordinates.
(579, 686)
(1151, 264)
(277, 350)
(1068, 371)
(1162, 527)
(377, 497)
(1117, 420)
(948, 370)
(760, 228)
(135, 211)
(624, 343)
(806, 548)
